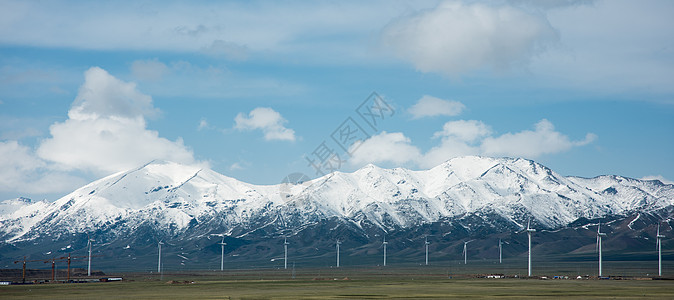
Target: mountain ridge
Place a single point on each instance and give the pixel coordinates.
(191, 208)
(514, 188)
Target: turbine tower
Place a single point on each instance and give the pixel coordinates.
(500, 256)
(659, 238)
(159, 262)
(599, 235)
(385, 243)
(426, 243)
(285, 256)
(89, 242)
(529, 232)
(465, 252)
(337, 244)
(222, 257)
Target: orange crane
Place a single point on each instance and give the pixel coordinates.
(68, 258)
(24, 266)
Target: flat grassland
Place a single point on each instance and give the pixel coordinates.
(360, 284)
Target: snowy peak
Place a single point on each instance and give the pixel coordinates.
(135, 188)
(10, 206)
(164, 195)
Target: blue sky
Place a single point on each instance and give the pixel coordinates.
(253, 89)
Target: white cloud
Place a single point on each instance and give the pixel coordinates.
(455, 37)
(429, 106)
(23, 172)
(106, 131)
(104, 96)
(268, 120)
(543, 140)
(151, 70)
(384, 147)
(657, 177)
(464, 130)
(465, 137)
(457, 138)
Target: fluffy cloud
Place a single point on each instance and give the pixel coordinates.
(465, 137)
(429, 106)
(384, 147)
(104, 96)
(106, 131)
(23, 172)
(455, 37)
(464, 130)
(457, 138)
(268, 120)
(532, 143)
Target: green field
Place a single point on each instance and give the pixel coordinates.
(345, 283)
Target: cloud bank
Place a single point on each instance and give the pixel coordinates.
(457, 37)
(465, 137)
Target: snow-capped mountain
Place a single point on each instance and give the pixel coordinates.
(463, 197)
(172, 198)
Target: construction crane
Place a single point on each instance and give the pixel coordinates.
(24, 261)
(68, 258)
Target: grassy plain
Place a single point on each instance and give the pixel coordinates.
(375, 283)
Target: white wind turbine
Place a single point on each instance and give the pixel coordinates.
(159, 262)
(599, 236)
(285, 256)
(337, 244)
(500, 253)
(89, 242)
(222, 257)
(465, 252)
(426, 243)
(659, 238)
(529, 232)
(384, 244)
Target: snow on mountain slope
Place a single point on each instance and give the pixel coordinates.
(173, 197)
(17, 216)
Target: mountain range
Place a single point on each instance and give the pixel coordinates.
(192, 209)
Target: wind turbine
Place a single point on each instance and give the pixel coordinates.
(337, 244)
(659, 238)
(159, 262)
(465, 252)
(500, 252)
(89, 242)
(426, 243)
(385, 243)
(222, 257)
(529, 232)
(285, 256)
(599, 235)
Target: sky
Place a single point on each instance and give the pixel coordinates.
(258, 90)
